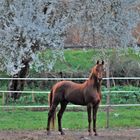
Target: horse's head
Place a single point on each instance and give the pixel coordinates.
(98, 70)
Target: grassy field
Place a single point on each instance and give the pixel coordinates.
(29, 120)
(83, 59)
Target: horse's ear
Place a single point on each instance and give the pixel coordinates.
(97, 62)
(103, 62)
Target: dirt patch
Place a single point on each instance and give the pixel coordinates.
(121, 134)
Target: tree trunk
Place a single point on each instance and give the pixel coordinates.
(18, 85)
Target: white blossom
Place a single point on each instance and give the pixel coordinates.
(44, 24)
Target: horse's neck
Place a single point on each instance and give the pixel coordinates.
(95, 83)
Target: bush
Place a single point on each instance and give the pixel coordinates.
(122, 98)
(38, 99)
(115, 98)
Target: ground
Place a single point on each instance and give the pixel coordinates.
(121, 134)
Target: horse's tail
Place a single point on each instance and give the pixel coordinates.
(50, 97)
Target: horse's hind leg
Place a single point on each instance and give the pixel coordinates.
(50, 115)
(89, 118)
(59, 115)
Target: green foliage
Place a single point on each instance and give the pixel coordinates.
(115, 97)
(124, 62)
(123, 97)
(28, 99)
(41, 98)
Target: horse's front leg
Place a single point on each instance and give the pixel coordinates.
(95, 108)
(89, 118)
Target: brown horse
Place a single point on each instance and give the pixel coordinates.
(86, 94)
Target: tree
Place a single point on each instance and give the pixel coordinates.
(34, 25)
(108, 22)
(25, 28)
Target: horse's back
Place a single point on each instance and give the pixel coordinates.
(69, 91)
(60, 88)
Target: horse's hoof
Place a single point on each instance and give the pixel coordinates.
(95, 134)
(48, 133)
(62, 133)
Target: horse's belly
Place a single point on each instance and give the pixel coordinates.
(77, 103)
(75, 99)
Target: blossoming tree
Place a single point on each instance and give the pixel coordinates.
(34, 25)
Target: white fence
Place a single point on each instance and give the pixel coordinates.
(58, 79)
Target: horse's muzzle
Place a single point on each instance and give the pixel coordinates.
(100, 79)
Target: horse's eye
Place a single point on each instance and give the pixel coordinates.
(97, 69)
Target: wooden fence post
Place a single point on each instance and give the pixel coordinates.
(33, 97)
(3, 98)
(108, 95)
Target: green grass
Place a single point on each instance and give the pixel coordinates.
(79, 60)
(128, 117)
(30, 120)
(22, 119)
(74, 60)
(83, 59)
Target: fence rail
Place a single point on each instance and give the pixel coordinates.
(30, 91)
(70, 106)
(78, 106)
(58, 79)
(41, 92)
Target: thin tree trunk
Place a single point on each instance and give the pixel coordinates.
(18, 85)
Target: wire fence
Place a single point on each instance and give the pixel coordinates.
(108, 105)
(58, 79)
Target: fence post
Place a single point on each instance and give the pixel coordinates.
(33, 97)
(108, 95)
(3, 98)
